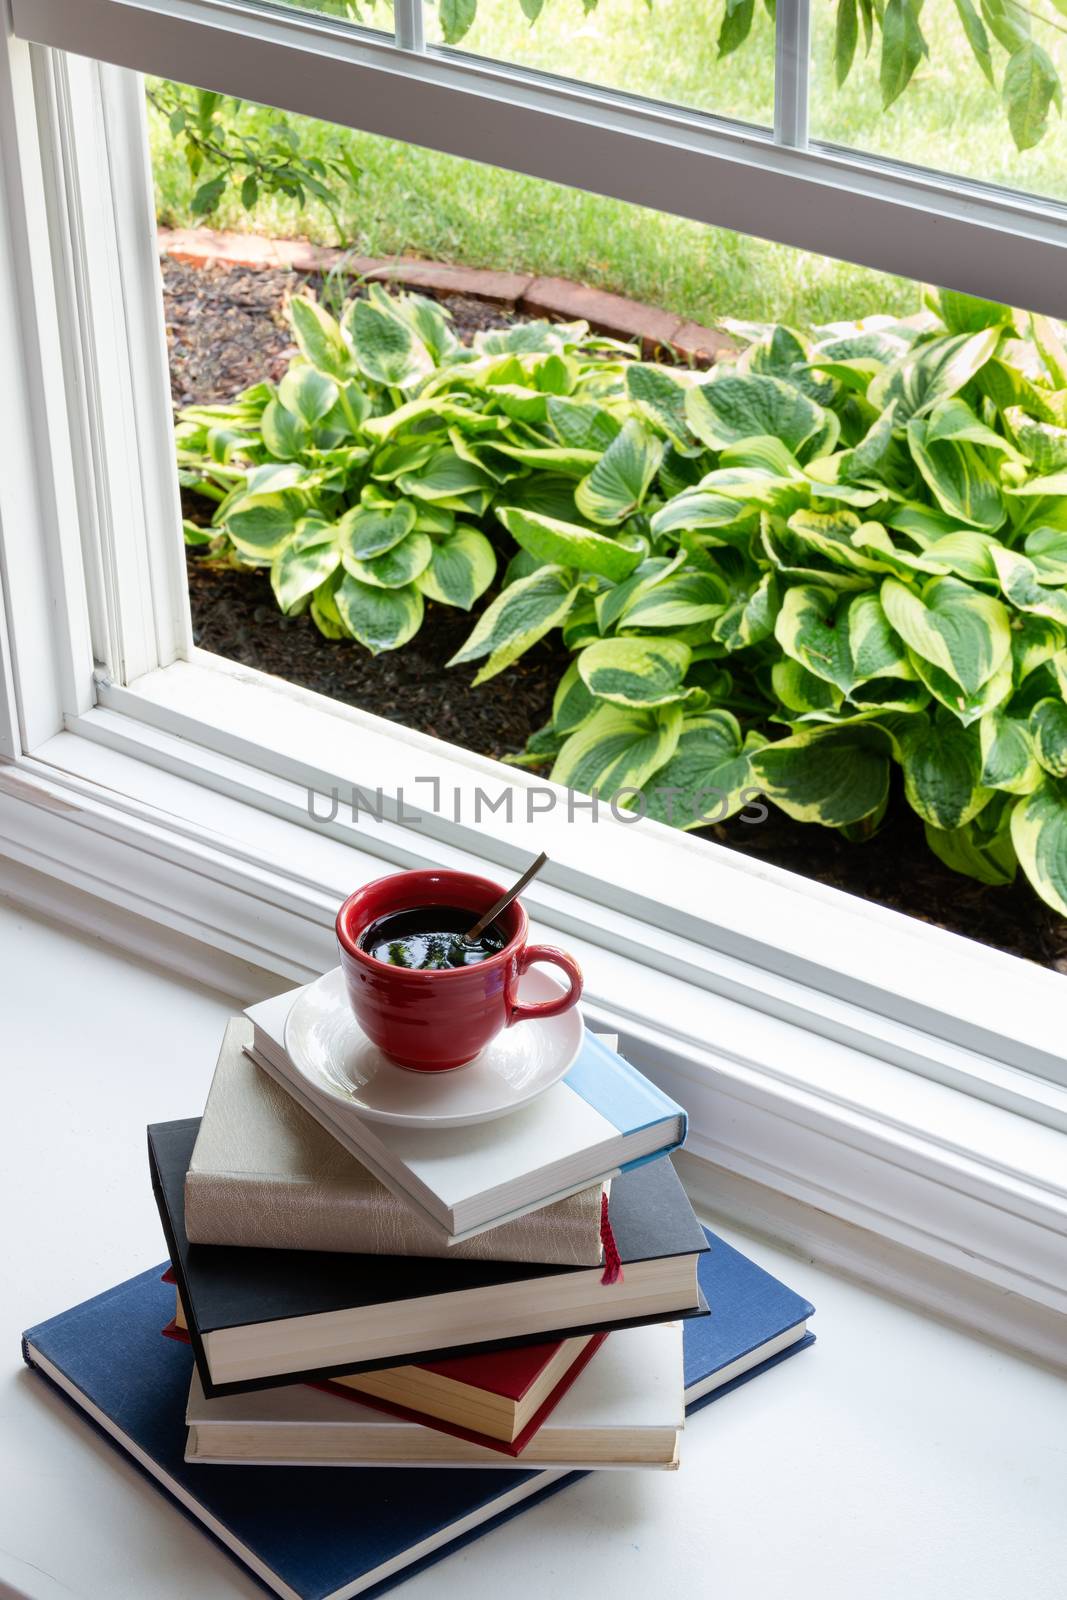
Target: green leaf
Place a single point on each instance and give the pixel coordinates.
(832, 534)
(659, 394)
(457, 16)
(305, 561)
(618, 483)
(386, 347)
(462, 566)
(381, 619)
(618, 748)
(932, 371)
(697, 509)
(1042, 443)
(959, 479)
(970, 850)
(807, 629)
(307, 393)
(1031, 85)
(903, 47)
(250, 192)
(567, 544)
(1034, 641)
(1047, 549)
(1039, 834)
(735, 26)
(678, 601)
(636, 672)
(977, 38)
(739, 406)
(1048, 726)
(516, 619)
(847, 640)
(445, 476)
(749, 618)
(1008, 758)
(369, 530)
(966, 313)
(1019, 581)
(324, 612)
(320, 339)
(964, 633)
(207, 197)
(708, 778)
(942, 764)
(581, 425)
(261, 525)
(284, 435)
(572, 703)
(801, 693)
(846, 33)
(833, 775)
(395, 568)
(967, 707)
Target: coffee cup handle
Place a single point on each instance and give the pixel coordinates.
(548, 1008)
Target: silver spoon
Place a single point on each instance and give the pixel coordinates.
(505, 900)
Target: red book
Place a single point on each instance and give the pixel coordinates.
(498, 1399)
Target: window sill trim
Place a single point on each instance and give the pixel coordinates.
(961, 1183)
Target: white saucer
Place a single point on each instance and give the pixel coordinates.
(329, 1048)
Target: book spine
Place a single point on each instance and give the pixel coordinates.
(272, 1214)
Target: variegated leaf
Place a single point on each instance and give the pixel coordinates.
(462, 565)
(618, 749)
(1039, 833)
(524, 613)
(836, 776)
(942, 764)
(381, 619)
(708, 778)
(568, 544)
(637, 671)
(964, 633)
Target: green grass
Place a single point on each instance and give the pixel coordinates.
(420, 202)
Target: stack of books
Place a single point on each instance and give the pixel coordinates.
(491, 1308)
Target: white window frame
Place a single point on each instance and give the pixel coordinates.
(826, 1048)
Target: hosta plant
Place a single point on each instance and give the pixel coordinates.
(363, 480)
(842, 555)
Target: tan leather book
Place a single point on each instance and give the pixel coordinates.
(265, 1174)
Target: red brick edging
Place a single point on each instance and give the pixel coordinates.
(548, 297)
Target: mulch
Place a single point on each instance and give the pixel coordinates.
(226, 330)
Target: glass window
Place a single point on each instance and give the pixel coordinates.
(972, 91)
(668, 50)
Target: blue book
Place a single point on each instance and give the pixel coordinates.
(331, 1533)
(602, 1118)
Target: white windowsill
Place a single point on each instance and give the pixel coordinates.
(955, 1180)
(895, 1446)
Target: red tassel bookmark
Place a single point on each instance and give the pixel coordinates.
(612, 1259)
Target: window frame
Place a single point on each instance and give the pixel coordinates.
(173, 785)
(775, 183)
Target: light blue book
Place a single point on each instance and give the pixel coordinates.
(602, 1118)
(331, 1533)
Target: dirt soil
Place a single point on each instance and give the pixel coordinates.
(226, 330)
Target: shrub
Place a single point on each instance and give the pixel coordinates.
(840, 554)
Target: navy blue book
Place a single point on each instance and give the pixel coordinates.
(330, 1533)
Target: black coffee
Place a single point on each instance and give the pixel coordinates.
(428, 938)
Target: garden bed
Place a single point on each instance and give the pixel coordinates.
(226, 330)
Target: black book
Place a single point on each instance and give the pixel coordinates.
(258, 1318)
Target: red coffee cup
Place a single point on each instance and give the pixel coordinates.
(435, 1020)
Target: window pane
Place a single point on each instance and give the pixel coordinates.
(849, 539)
(375, 14)
(664, 49)
(949, 117)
